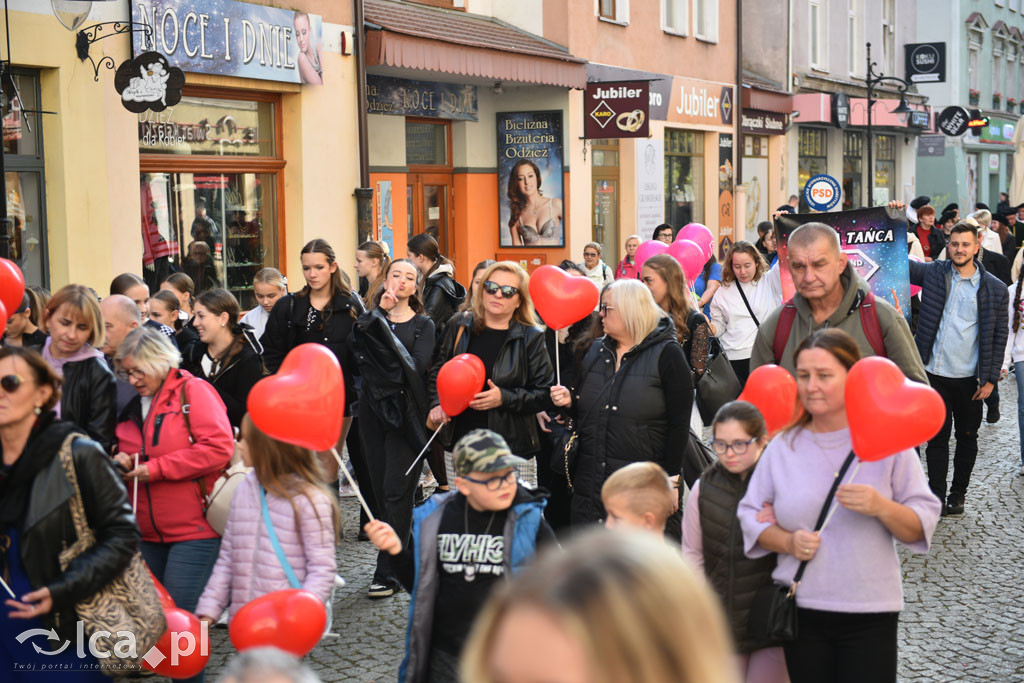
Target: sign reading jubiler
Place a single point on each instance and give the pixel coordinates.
(232, 38)
(530, 179)
(822, 192)
(617, 110)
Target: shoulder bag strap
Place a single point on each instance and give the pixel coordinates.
(293, 580)
(824, 513)
(747, 303)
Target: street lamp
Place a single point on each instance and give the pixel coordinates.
(872, 79)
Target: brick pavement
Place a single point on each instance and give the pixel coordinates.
(964, 616)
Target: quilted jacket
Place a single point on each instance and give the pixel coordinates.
(247, 566)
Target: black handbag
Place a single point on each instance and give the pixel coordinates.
(563, 460)
(773, 611)
(718, 385)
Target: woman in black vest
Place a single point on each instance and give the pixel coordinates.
(442, 295)
(393, 344)
(633, 399)
(713, 540)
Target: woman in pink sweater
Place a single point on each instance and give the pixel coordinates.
(304, 516)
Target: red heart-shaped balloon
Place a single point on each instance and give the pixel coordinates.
(292, 620)
(887, 412)
(303, 404)
(773, 390)
(458, 381)
(560, 298)
(175, 642)
(12, 285)
(166, 601)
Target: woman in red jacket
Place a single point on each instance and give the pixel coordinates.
(179, 448)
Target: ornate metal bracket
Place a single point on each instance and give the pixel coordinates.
(88, 36)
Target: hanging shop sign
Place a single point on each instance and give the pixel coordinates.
(233, 39)
(920, 119)
(401, 97)
(148, 82)
(726, 235)
(530, 179)
(926, 62)
(841, 110)
(953, 121)
(822, 192)
(758, 122)
(617, 110)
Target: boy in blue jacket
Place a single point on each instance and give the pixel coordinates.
(463, 543)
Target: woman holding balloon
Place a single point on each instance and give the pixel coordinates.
(502, 331)
(849, 599)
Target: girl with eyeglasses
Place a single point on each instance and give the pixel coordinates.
(502, 331)
(713, 540)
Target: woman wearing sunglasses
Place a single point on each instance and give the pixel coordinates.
(35, 518)
(502, 331)
(633, 398)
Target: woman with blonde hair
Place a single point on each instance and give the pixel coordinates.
(633, 399)
(615, 607)
(500, 329)
(268, 285)
(74, 322)
(371, 261)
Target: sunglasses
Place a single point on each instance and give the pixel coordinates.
(590, 254)
(507, 291)
(11, 383)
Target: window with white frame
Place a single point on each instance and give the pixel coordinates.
(853, 38)
(1012, 86)
(673, 16)
(818, 25)
(972, 68)
(889, 37)
(998, 70)
(705, 20)
(612, 10)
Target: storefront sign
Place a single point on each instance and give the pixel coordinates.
(195, 126)
(726, 214)
(232, 38)
(762, 122)
(704, 102)
(953, 121)
(400, 97)
(148, 82)
(997, 132)
(530, 179)
(926, 62)
(616, 110)
(841, 110)
(650, 185)
(993, 162)
(920, 119)
(822, 192)
(931, 146)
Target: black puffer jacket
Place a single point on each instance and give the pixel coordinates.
(523, 372)
(89, 399)
(48, 528)
(233, 381)
(442, 296)
(287, 328)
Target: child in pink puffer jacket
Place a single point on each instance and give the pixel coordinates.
(304, 516)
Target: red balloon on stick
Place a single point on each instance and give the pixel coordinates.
(303, 404)
(292, 620)
(458, 381)
(560, 298)
(773, 390)
(12, 286)
(181, 645)
(887, 412)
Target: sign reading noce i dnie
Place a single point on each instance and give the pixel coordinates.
(233, 39)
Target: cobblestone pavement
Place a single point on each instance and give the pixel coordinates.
(964, 616)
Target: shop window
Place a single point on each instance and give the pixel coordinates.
(426, 143)
(215, 219)
(24, 176)
(705, 20)
(684, 177)
(812, 157)
(756, 178)
(853, 169)
(673, 16)
(885, 169)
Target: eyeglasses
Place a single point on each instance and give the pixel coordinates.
(590, 254)
(134, 373)
(507, 291)
(604, 308)
(11, 383)
(495, 483)
(738, 447)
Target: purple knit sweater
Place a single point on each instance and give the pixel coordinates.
(856, 568)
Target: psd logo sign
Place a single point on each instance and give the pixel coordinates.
(822, 193)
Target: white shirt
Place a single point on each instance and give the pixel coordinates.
(257, 319)
(735, 328)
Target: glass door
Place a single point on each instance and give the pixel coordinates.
(430, 208)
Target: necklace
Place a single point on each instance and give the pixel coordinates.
(471, 570)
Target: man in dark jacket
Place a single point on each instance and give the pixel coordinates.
(962, 352)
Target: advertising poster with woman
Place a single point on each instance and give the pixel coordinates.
(530, 179)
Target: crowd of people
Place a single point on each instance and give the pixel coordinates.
(146, 394)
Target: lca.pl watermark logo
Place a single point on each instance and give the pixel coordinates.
(125, 646)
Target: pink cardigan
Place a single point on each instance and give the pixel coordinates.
(247, 566)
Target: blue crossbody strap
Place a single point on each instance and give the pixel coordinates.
(281, 557)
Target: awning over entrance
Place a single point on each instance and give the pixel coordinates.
(418, 37)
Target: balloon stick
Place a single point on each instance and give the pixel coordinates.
(429, 441)
(8, 589)
(353, 484)
(835, 506)
(558, 368)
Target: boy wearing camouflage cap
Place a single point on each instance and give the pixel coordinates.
(463, 543)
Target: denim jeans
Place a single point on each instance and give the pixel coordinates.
(1019, 374)
(183, 568)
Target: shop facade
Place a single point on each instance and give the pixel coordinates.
(764, 122)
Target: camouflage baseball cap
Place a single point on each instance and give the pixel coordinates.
(483, 451)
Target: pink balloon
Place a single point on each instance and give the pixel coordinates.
(690, 258)
(699, 235)
(914, 289)
(647, 250)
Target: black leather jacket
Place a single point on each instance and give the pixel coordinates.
(89, 399)
(442, 296)
(523, 372)
(243, 368)
(47, 527)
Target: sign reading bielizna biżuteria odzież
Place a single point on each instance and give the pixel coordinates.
(232, 38)
(619, 109)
